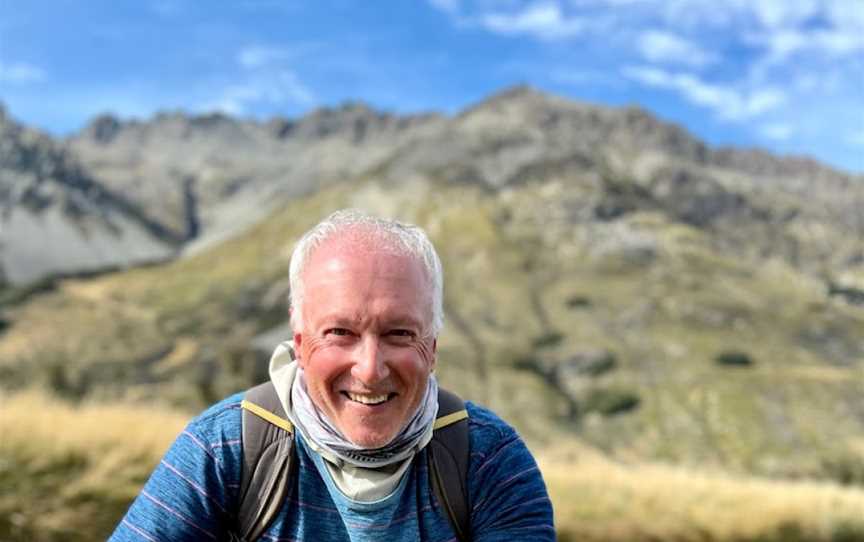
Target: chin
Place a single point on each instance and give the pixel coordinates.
(370, 439)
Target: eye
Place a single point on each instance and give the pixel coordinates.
(401, 333)
(337, 331)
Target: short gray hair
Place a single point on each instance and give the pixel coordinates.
(406, 239)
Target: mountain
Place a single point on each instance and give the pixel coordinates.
(208, 177)
(55, 218)
(197, 180)
(608, 276)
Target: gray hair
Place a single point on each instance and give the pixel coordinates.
(405, 239)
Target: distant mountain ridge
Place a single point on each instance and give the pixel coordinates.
(196, 180)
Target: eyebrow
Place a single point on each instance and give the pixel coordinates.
(396, 321)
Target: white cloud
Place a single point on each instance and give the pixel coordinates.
(728, 102)
(283, 87)
(845, 13)
(832, 43)
(856, 138)
(658, 46)
(777, 131)
(20, 73)
(543, 20)
(256, 56)
(447, 6)
(783, 13)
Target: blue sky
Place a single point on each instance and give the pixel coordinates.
(785, 75)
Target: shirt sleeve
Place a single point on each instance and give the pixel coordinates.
(191, 492)
(509, 500)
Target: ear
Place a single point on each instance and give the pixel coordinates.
(298, 343)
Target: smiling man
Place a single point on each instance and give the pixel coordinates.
(363, 446)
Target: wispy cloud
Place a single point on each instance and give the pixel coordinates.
(728, 102)
(256, 56)
(542, 20)
(21, 73)
(856, 138)
(266, 80)
(777, 131)
(665, 47)
(280, 88)
(447, 6)
(782, 44)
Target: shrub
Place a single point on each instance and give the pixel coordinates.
(734, 358)
(548, 340)
(578, 302)
(610, 401)
(587, 363)
(845, 468)
(18, 295)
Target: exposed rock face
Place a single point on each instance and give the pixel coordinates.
(208, 177)
(197, 180)
(55, 218)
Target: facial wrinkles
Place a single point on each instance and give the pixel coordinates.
(375, 345)
(358, 304)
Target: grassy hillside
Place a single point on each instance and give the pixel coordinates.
(68, 474)
(636, 334)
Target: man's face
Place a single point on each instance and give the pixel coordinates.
(361, 344)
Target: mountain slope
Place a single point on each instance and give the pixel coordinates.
(55, 218)
(607, 276)
(614, 330)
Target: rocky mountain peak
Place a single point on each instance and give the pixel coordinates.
(351, 119)
(103, 128)
(517, 92)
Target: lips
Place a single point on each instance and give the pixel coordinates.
(369, 399)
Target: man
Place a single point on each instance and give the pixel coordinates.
(366, 310)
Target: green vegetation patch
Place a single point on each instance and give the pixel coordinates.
(611, 401)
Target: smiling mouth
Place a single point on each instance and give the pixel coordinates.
(370, 400)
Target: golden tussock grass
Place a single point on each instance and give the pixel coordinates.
(33, 419)
(598, 499)
(69, 472)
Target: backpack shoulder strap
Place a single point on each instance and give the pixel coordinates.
(269, 466)
(268, 461)
(448, 462)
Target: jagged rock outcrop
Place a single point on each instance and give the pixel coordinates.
(208, 177)
(55, 218)
(199, 179)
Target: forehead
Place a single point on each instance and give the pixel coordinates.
(358, 276)
(356, 250)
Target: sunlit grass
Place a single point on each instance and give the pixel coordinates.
(597, 499)
(69, 472)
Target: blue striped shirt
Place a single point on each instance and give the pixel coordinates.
(192, 494)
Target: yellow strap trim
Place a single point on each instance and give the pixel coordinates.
(267, 415)
(444, 421)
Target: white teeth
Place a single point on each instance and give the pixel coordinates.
(367, 399)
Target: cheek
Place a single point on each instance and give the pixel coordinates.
(426, 352)
(312, 348)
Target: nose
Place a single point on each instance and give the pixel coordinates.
(370, 366)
